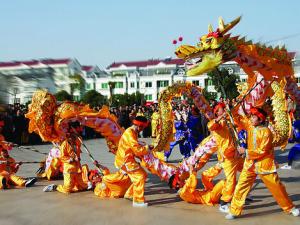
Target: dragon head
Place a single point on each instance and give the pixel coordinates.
(213, 49)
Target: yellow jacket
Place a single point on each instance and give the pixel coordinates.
(260, 152)
(70, 156)
(226, 147)
(128, 148)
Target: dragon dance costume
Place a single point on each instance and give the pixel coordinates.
(259, 161)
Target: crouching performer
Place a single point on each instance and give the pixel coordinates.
(9, 168)
(129, 148)
(190, 194)
(70, 157)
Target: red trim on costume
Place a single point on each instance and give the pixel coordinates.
(219, 105)
(175, 181)
(140, 123)
(255, 111)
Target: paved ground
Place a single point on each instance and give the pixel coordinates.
(32, 206)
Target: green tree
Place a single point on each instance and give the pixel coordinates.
(63, 96)
(111, 86)
(94, 98)
(77, 83)
(209, 95)
(228, 81)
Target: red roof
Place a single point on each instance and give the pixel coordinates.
(56, 61)
(87, 68)
(145, 63)
(9, 64)
(30, 63)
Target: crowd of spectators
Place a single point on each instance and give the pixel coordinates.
(16, 125)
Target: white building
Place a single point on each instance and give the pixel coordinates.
(19, 79)
(150, 77)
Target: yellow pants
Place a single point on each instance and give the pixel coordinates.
(273, 183)
(53, 171)
(207, 197)
(113, 186)
(73, 182)
(209, 174)
(12, 179)
(230, 168)
(137, 188)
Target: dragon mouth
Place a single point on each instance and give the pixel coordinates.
(191, 63)
(203, 62)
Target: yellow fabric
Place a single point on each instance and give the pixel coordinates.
(226, 147)
(260, 149)
(72, 170)
(154, 124)
(113, 185)
(230, 168)
(12, 179)
(72, 183)
(208, 175)
(69, 152)
(128, 149)
(245, 182)
(8, 170)
(190, 194)
(53, 170)
(227, 156)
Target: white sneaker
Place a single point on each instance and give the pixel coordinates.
(139, 204)
(286, 167)
(229, 216)
(224, 208)
(49, 188)
(89, 186)
(295, 212)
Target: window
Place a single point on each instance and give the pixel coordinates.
(243, 80)
(137, 85)
(104, 85)
(208, 82)
(196, 82)
(148, 84)
(162, 83)
(88, 86)
(148, 97)
(119, 85)
(132, 84)
(298, 80)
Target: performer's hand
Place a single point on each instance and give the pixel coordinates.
(96, 163)
(241, 150)
(20, 163)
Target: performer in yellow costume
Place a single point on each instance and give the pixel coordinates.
(154, 123)
(190, 194)
(113, 185)
(9, 167)
(129, 148)
(227, 154)
(70, 157)
(259, 161)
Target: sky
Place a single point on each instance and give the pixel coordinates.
(99, 32)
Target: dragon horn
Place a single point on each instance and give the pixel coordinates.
(221, 23)
(210, 28)
(228, 26)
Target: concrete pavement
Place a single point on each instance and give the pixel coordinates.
(33, 206)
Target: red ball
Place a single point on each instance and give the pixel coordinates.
(180, 38)
(174, 42)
